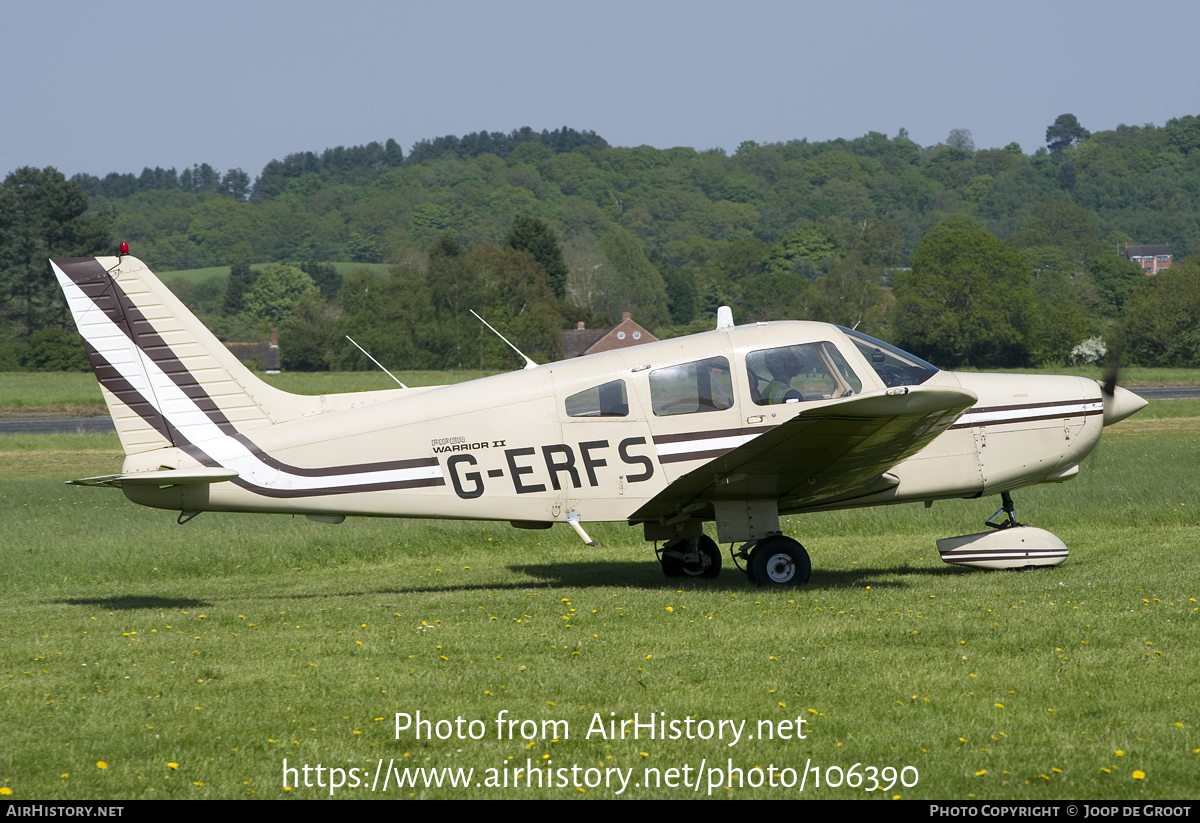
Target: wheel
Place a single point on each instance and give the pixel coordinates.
(779, 561)
(697, 557)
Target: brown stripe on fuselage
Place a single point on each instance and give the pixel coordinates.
(1030, 419)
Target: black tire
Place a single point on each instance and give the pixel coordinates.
(709, 564)
(779, 561)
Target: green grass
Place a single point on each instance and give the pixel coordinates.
(236, 641)
(78, 392)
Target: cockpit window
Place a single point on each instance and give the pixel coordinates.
(703, 386)
(894, 366)
(792, 374)
(607, 400)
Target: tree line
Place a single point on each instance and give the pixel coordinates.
(986, 257)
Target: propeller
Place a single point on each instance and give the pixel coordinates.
(1119, 403)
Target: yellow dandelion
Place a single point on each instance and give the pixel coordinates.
(981, 773)
(172, 765)
(1138, 774)
(5, 790)
(999, 705)
(1120, 753)
(670, 608)
(100, 764)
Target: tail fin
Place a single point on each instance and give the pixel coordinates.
(162, 372)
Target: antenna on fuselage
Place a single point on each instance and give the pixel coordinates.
(529, 364)
(376, 362)
(724, 318)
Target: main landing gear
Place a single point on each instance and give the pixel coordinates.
(776, 561)
(770, 561)
(691, 557)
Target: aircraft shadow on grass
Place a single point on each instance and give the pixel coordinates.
(647, 576)
(133, 602)
(600, 574)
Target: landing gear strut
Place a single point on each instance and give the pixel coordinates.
(691, 557)
(1006, 507)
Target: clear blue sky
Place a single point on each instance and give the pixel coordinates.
(115, 86)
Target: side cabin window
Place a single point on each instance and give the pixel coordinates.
(605, 400)
(792, 374)
(703, 386)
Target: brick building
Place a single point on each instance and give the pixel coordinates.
(580, 341)
(1150, 258)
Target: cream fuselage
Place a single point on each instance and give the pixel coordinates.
(505, 447)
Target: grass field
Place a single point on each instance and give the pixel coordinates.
(139, 658)
(27, 393)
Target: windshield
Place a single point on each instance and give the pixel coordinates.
(894, 366)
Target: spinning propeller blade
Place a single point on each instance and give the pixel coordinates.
(1119, 403)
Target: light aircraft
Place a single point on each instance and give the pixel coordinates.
(734, 426)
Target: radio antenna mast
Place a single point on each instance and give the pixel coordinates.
(376, 362)
(529, 364)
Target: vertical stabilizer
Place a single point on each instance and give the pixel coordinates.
(165, 377)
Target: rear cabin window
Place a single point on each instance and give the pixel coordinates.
(605, 400)
(794, 374)
(703, 386)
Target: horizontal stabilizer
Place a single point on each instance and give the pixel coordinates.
(166, 477)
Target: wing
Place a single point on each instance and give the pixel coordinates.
(833, 452)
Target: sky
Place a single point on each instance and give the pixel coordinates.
(98, 87)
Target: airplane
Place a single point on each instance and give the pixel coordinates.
(734, 427)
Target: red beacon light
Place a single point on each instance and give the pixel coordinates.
(124, 248)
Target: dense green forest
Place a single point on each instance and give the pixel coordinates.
(970, 257)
